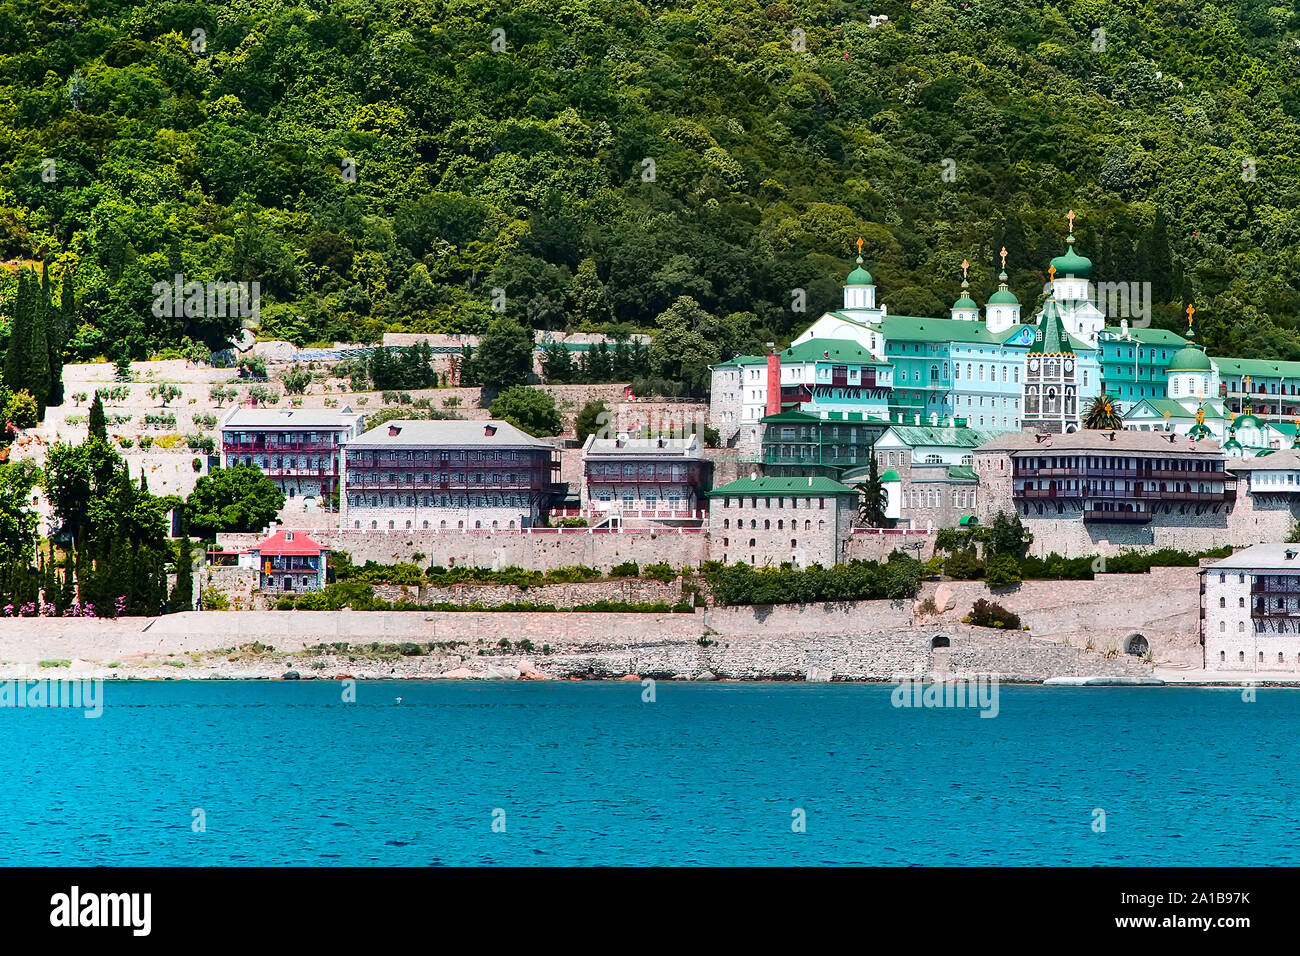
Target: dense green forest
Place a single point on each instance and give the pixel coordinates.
(385, 164)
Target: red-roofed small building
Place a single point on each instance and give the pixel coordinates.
(287, 562)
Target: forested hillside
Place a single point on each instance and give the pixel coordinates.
(384, 164)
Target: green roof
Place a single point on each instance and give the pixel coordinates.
(916, 435)
(890, 475)
(1051, 337)
(1003, 297)
(1257, 368)
(1189, 358)
(911, 328)
(1162, 405)
(794, 415)
(782, 486)
(1072, 264)
(743, 360)
(1147, 336)
(965, 302)
(961, 472)
(830, 350)
(1241, 420)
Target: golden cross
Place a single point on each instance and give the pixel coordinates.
(1191, 309)
(1004, 258)
(1051, 273)
(964, 266)
(1070, 216)
(859, 245)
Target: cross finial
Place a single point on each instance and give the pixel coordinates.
(1051, 273)
(1004, 258)
(964, 266)
(1070, 216)
(1191, 310)
(859, 245)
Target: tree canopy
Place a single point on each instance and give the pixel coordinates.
(238, 498)
(378, 166)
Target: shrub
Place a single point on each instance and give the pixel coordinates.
(296, 381)
(660, 572)
(988, 614)
(628, 569)
(203, 443)
(1002, 571)
(22, 410)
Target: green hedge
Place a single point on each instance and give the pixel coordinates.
(898, 577)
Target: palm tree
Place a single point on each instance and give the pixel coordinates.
(1102, 413)
(872, 497)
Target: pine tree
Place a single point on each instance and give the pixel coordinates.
(98, 421)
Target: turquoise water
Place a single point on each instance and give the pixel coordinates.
(287, 773)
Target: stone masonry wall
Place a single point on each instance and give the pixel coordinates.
(537, 550)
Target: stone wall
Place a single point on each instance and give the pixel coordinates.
(535, 549)
(1163, 607)
(872, 545)
(869, 641)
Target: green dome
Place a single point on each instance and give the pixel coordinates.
(1190, 358)
(890, 475)
(1241, 421)
(1072, 264)
(859, 276)
(965, 302)
(1003, 297)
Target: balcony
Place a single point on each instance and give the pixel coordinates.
(427, 486)
(274, 448)
(1099, 516)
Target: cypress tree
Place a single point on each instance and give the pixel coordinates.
(98, 421)
(38, 376)
(182, 596)
(1165, 286)
(16, 357)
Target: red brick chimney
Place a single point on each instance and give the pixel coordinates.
(773, 383)
(489, 430)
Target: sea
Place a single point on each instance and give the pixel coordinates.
(325, 773)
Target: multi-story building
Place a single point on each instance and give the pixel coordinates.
(1250, 610)
(801, 443)
(644, 482)
(447, 476)
(1134, 363)
(928, 472)
(1119, 477)
(738, 396)
(299, 449)
(1264, 387)
(771, 521)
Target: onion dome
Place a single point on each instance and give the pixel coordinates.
(1072, 265)
(859, 276)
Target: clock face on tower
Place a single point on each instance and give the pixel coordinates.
(1069, 365)
(1033, 365)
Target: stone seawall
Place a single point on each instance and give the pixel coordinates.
(1162, 607)
(879, 640)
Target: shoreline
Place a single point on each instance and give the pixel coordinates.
(851, 642)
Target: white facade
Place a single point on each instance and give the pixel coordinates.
(1250, 611)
